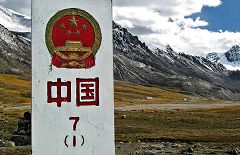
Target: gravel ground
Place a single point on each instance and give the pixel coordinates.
(164, 148)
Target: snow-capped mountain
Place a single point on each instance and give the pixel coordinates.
(135, 62)
(15, 35)
(14, 21)
(230, 59)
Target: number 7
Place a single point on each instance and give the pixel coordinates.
(76, 120)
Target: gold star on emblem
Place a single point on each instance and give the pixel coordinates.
(84, 26)
(77, 32)
(62, 26)
(69, 32)
(74, 13)
(73, 21)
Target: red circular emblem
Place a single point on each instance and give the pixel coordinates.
(73, 38)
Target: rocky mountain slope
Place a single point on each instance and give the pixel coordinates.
(135, 62)
(230, 59)
(15, 53)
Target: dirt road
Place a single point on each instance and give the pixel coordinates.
(187, 106)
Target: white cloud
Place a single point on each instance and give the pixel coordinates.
(188, 22)
(198, 41)
(212, 3)
(170, 24)
(169, 7)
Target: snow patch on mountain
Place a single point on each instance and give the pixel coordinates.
(14, 21)
(231, 67)
(7, 37)
(153, 46)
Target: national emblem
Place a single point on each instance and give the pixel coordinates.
(73, 38)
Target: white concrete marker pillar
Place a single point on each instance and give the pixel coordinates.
(72, 77)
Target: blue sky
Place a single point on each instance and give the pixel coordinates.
(225, 17)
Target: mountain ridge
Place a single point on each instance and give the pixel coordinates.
(135, 62)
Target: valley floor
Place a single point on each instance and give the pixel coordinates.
(148, 120)
(204, 131)
(186, 124)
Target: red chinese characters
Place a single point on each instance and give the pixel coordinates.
(59, 98)
(87, 92)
